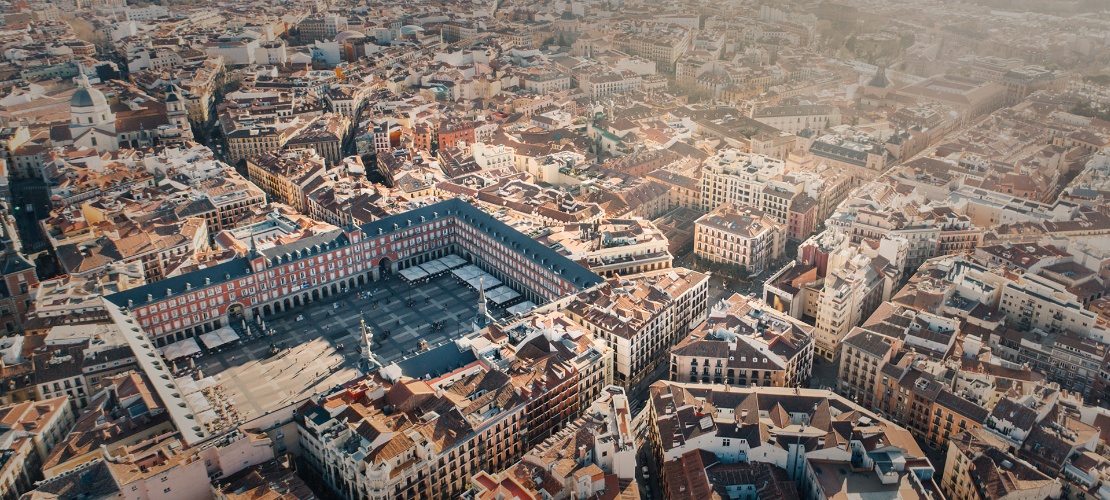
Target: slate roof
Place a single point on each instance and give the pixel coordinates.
(465, 212)
(235, 268)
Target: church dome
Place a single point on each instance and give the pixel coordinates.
(87, 97)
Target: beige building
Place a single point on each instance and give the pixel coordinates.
(640, 317)
(288, 176)
(740, 236)
(613, 247)
(745, 343)
(733, 176)
(794, 119)
(548, 471)
(850, 294)
(29, 431)
(325, 136)
(429, 442)
(978, 467)
(825, 444)
(244, 143)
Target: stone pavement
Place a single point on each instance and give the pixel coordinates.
(312, 361)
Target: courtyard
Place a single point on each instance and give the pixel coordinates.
(318, 343)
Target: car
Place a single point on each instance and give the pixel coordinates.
(300, 317)
(335, 305)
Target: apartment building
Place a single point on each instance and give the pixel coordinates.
(243, 143)
(545, 82)
(641, 317)
(564, 466)
(547, 354)
(863, 356)
(600, 85)
(979, 466)
(29, 432)
(288, 176)
(741, 236)
(814, 436)
(663, 45)
(871, 213)
(412, 438)
(794, 119)
(321, 28)
(325, 135)
(851, 292)
(613, 247)
(798, 199)
(744, 342)
(732, 176)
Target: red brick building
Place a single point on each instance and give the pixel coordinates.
(291, 275)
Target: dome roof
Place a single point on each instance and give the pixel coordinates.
(349, 34)
(86, 96)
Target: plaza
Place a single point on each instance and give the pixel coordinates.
(313, 361)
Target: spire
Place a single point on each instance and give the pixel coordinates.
(481, 318)
(351, 224)
(254, 245)
(482, 297)
(879, 80)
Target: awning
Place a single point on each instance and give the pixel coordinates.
(197, 402)
(219, 337)
(522, 308)
(466, 273)
(187, 385)
(413, 273)
(181, 349)
(206, 383)
(207, 416)
(453, 261)
(434, 267)
(501, 295)
(484, 281)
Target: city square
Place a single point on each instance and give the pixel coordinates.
(321, 348)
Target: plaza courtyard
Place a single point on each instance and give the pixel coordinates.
(319, 342)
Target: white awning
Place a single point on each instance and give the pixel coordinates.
(434, 267)
(219, 337)
(522, 308)
(187, 385)
(501, 295)
(453, 261)
(466, 273)
(181, 349)
(207, 416)
(413, 273)
(206, 383)
(197, 402)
